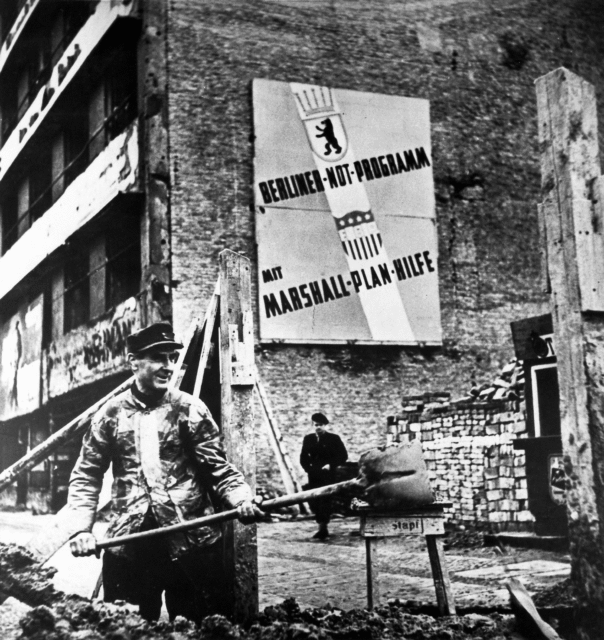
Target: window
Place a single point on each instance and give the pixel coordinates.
(8, 209)
(102, 272)
(65, 24)
(8, 13)
(123, 261)
(22, 84)
(82, 123)
(77, 290)
(26, 200)
(112, 104)
(53, 31)
(40, 193)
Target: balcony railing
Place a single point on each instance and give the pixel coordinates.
(111, 126)
(11, 20)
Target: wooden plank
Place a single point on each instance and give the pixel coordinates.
(384, 527)
(278, 444)
(208, 330)
(237, 421)
(545, 281)
(440, 575)
(44, 449)
(373, 573)
(529, 620)
(572, 207)
(590, 254)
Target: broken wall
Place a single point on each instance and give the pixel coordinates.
(468, 448)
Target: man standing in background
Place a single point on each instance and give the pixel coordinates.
(322, 452)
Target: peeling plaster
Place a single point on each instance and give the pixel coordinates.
(91, 352)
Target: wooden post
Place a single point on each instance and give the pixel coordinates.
(373, 573)
(440, 575)
(237, 371)
(573, 223)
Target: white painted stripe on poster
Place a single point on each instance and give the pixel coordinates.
(361, 240)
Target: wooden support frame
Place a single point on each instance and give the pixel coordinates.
(428, 522)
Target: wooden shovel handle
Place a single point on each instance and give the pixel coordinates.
(231, 514)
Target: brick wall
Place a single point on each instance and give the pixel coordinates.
(468, 448)
(476, 62)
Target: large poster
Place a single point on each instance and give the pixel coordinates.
(345, 224)
(20, 361)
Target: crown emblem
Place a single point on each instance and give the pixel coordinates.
(315, 100)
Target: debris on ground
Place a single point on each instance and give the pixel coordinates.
(23, 577)
(463, 539)
(561, 594)
(76, 619)
(57, 616)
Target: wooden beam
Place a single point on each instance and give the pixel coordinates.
(529, 620)
(440, 575)
(237, 374)
(373, 573)
(68, 432)
(573, 224)
(208, 330)
(284, 461)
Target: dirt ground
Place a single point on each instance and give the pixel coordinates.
(311, 589)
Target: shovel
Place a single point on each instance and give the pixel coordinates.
(390, 479)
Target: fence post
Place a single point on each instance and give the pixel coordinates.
(237, 376)
(571, 216)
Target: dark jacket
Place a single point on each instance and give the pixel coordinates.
(328, 449)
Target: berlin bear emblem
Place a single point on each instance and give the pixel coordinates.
(327, 136)
(327, 132)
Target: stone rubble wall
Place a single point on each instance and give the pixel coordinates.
(468, 448)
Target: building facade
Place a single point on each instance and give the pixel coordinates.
(126, 166)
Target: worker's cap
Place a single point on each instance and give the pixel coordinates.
(159, 334)
(319, 418)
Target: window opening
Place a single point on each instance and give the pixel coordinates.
(77, 292)
(77, 164)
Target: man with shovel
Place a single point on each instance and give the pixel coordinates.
(168, 467)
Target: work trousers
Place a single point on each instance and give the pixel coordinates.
(322, 507)
(193, 586)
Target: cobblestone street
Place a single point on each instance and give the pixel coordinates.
(292, 564)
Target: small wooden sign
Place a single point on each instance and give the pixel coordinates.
(382, 527)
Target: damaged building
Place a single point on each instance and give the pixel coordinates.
(140, 139)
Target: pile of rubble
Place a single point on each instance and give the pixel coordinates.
(63, 617)
(22, 577)
(509, 385)
(75, 619)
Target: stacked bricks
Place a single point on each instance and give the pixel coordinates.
(468, 448)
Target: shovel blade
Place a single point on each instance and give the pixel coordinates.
(396, 477)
